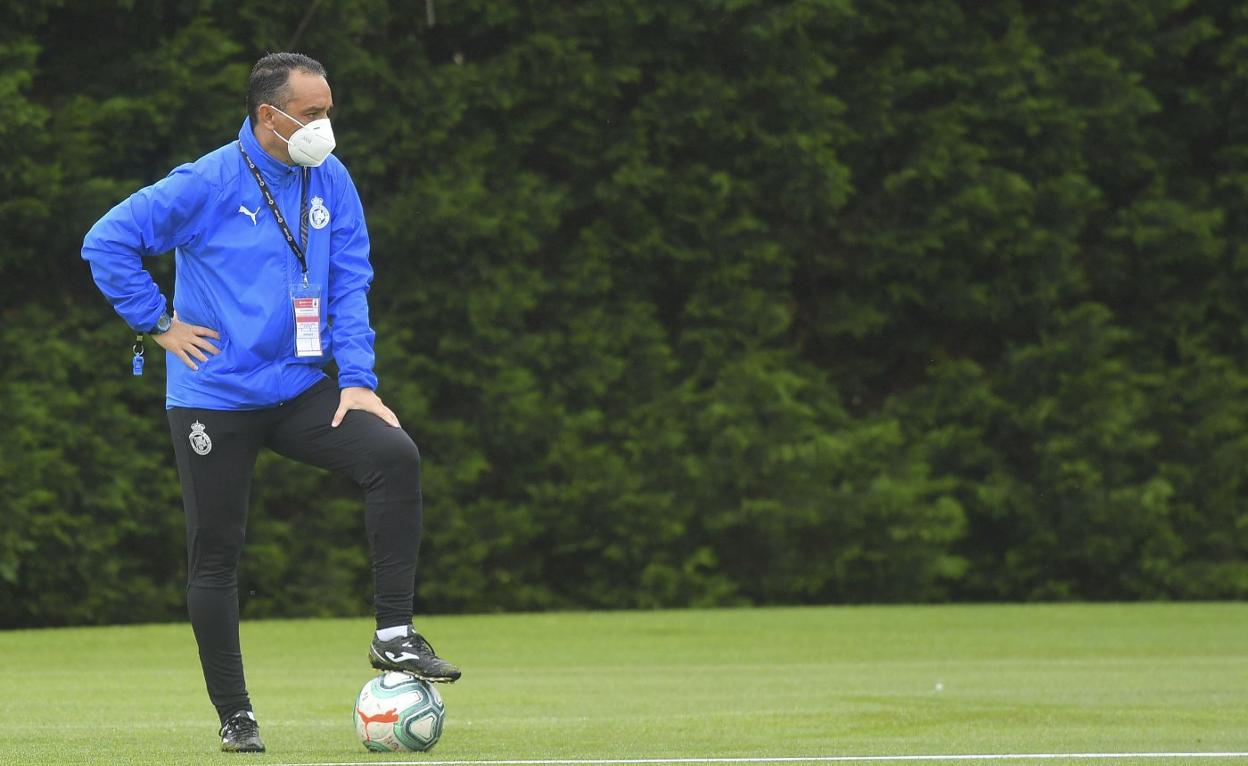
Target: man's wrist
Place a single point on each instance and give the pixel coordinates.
(162, 324)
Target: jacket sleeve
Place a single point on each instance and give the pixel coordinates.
(350, 275)
(150, 222)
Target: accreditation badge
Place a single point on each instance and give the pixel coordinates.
(306, 299)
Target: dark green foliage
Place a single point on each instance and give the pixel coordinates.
(695, 303)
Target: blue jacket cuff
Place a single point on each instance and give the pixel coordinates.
(357, 379)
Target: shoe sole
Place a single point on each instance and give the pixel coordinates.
(381, 663)
(225, 749)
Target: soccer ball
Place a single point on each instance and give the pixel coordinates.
(399, 712)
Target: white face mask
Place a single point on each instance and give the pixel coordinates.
(311, 143)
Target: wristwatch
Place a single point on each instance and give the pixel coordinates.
(162, 325)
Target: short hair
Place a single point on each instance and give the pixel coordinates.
(269, 78)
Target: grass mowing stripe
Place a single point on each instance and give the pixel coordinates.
(605, 687)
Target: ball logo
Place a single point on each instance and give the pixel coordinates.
(318, 215)
(390, 716)
(200, 441)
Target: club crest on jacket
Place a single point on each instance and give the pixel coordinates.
(318, 215)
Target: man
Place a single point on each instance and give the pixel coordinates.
(272, 282)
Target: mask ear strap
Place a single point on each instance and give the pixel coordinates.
(281, 112)
(287, 116)
(274, 131)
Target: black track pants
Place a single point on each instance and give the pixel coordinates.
(216, 452)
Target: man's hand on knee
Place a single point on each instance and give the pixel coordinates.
(356, 398)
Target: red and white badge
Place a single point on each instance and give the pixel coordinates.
(307, 304)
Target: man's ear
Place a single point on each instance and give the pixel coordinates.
(266, 114)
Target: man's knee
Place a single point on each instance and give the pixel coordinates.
(214, 557)
(394, 462)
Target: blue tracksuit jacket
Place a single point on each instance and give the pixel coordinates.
(235, 274)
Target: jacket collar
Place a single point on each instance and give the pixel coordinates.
(274, 170)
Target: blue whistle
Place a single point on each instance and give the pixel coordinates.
(138, 364)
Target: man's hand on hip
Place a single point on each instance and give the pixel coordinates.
(357, 398)
(188, 340)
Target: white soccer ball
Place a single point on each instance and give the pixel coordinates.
(398, 712)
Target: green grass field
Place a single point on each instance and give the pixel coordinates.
(869, 681)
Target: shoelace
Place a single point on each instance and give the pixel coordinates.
(418, 642)
(240, 726)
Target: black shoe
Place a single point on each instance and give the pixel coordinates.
(412, 654)
(241, 734)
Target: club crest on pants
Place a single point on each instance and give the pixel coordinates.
(200, 441)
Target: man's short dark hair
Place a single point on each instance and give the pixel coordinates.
(267, 84)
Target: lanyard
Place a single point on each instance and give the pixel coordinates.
(298, 248)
